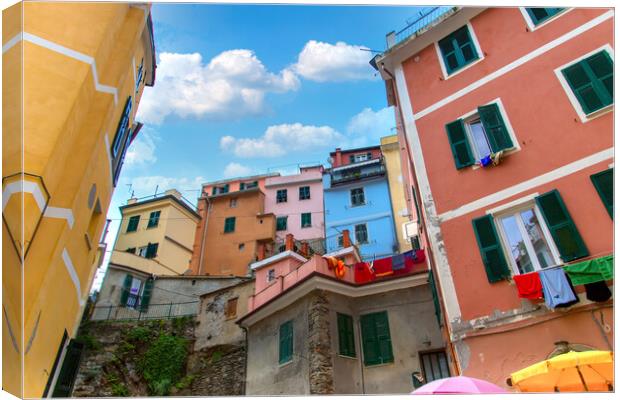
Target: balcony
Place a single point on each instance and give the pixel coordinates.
(353, 173)
(425, 20)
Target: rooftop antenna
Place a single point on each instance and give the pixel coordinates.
(156, 187)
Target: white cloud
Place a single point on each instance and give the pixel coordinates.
(371, 125)
(234, 83)
(146, 185)
(323, 62)
(280, 139)
(142, 150)
(234, 169)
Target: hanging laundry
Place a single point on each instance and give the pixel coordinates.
(383, 267)
(572, 288)
(529, 286)
(590, 271)
(556, 287)
(606, 266)
(362, 273)
(398, 262)
(597, 291)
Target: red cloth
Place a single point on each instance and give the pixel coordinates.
(383, 266)
(529, 285)
(362, 273)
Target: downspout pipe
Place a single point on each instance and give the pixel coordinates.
(204, 235)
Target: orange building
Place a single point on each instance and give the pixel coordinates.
(507, 118)
(234, 227)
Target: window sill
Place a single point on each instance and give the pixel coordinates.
(379, 365)
(347, 357)
(506, 153)
(595, 114)
(151, 227)
(461, 69)
(304, 199)
(284, 364)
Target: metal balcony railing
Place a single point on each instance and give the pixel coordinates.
(133, 311)
(425, 18)
(354, 175)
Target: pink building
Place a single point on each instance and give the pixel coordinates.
(297, 202)
(506, 118)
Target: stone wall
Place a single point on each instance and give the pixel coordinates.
(319, 342)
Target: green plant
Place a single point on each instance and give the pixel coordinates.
(163, 363)
(140, 334)
(89, 341)
(111, 378)
(119, 390)
(216, 356)
(185, 382)
(125, 347)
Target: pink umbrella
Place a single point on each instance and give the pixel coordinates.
(459, 385)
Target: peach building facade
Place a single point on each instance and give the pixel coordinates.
(507, 116)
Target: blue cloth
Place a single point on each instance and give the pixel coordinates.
(556, 288)
(398, 262)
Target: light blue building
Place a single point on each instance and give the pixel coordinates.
(357, 198)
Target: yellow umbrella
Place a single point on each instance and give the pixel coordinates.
(584, 371)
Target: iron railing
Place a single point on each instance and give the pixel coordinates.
(357, 174)
(424, 19)
(136, 312)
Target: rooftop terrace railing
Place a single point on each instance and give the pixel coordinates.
(426, 17)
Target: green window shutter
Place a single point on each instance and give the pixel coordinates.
(126, 288)
(213, 190)
(151, 250)
(540, 14)
(226, 188)
(229, 225)
(306, 220)
(370, 344)
(457, 49)
(346, 340)
(286, 342)
(242, 186)
(561, 225)
(153, 219)
(147, 292)
(495, 128)
(490, 249)
(132, 225)
(281, 223)
(435, 294)
(604, 184)
(383, 336)
(69, 369)
(459, 144)
(591, 80)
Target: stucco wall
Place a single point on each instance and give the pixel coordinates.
(377, 213)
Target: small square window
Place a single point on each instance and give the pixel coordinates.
(340, 241)
(132, 226)
(153, 219)
(142, 251)
(457, 49)
(271, 275)
(306, 220)
(281, 196)
(361, 234)
(357, 197)
(231, 308)
(229, 225)
(281, 223)
(233, 203)
(241, 246)
(304, 193)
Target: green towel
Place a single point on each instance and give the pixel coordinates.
(590, 271)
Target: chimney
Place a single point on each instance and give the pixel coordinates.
(338, 161)
(174, 193)
(290, 242)
(346, 240)
(133, 200)
(304, 249)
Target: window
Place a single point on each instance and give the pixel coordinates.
(271, 275)
(248, 185)
(478, 136)
(534, 236)
(151, 250)
(591, 80)
(122, 128)
(220, 189)
(376, 340)
(457, 49)
(131, 291)
(340, 241)
(241, 246)
(357, 197)
(304, 193)
(139, 75)
(281, 223)
(231, 308)
(132, 226)
(604, 184)
(346, 339)
(527, 245)
(142, 251)
(540, 14)
(361, 233)
(306, 220)
(434, 365)
(233, 203)
(131, 250)
(229, 225)
(286, 342)
(355, 158)
(153, 219)
(281, 196)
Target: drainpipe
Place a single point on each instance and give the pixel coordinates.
(245, 364)
(204, 235)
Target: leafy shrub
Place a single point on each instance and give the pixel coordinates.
(89, 341)
(185, 382)
(140, 334)
(119, 390)
(163, 363)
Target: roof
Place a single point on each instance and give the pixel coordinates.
(243, 178)
(164, 197)
(237, 193)
(245, 281)
(377, 147)
(278, 257)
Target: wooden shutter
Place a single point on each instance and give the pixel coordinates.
(490, 249)
(495, 128)
(151, 250)
(346, 341)
(591, 80)
(383, 337)
(370, 344)
(459, 144)
(126, 289)
(147, 292)
(69, 369)
(561, 225)
(435, 294)
(286, 342)
(604, 184)
(242, 186)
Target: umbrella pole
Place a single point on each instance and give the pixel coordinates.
(582, 380)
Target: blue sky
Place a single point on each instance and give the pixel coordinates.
(245, 89)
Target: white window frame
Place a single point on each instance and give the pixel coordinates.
(569, 92)
(473, 114)
(360, 157)
(474, 39)
(515, 208)
(141, 251)
(351, 197)
(367, 233)
(530, 23)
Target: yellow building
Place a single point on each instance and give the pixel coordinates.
(156, 235)
(80, 69)
(391, 153)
